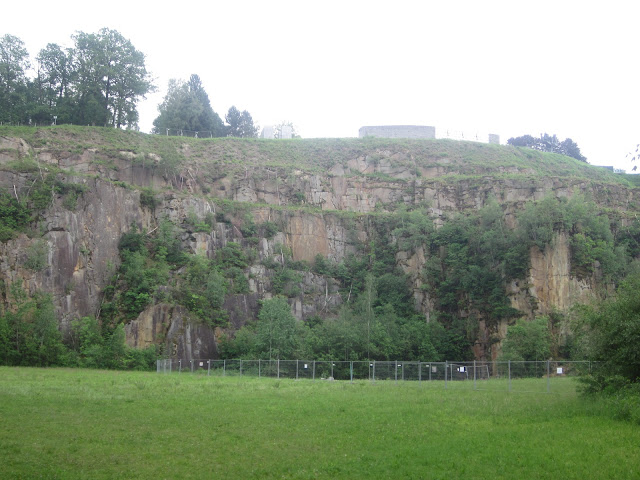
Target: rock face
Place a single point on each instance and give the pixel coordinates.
(82, 243)
(551, 285)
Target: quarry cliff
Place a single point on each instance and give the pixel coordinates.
(478, 235)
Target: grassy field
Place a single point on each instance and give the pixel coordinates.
(62, 423)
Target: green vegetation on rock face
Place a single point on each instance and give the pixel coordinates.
(423, 275)
(155, 269)
(19, 210)
(14, 217)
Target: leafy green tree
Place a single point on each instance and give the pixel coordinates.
(414, 229)
(527, 340)
(29, 332)
(339, 338)
(609, 332)
(5, 335)
(203, 291)
(55, 69)
(241, 345)
(110, 78)
(276, 329)
(14, 62)
(166, 244)
(14, 216)
(240, 124)
(549, 143)
(186, 106)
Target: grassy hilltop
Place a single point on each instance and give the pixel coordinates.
(458, 158)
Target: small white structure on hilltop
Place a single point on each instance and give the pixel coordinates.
(286, 131)
(398, 131)
(268, 132)
(422, 131)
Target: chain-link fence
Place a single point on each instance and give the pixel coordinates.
(511, 376)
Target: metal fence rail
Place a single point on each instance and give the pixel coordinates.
(509, 375)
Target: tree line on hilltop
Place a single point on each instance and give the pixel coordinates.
(100, 81)
(549, 143)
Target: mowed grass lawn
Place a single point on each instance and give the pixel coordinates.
(67, 424)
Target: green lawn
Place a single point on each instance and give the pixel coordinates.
(63, 423)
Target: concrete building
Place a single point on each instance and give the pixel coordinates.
(398, 131)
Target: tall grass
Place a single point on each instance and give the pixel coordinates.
(69, 424)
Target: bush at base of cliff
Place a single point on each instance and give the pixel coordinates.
(92, 346)
(609, 333)
(620, 397)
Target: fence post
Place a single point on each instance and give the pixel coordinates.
(208, 368)
(395, 365)
(314, 369)
(419, 372)
(548, 377)
(278, 367)
(446, 368)
(374, 371)
(191, 362)
(297, 368)
(240, 367)
(180, 366)
(332, 370)
(474, 374)
(224, 367)
(509, 375)
(351, 370)
(259, 372)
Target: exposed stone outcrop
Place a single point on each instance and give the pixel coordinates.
(82, 243)
(551, 287)
(170, 327)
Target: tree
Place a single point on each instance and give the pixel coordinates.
(549, 143)
(14, 62)
(186, 106)
(609, 332)
(54, 71)
(527, 340)
(109, 78)
(240, 124)
(276, 329)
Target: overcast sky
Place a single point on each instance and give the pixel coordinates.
(506, 67)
